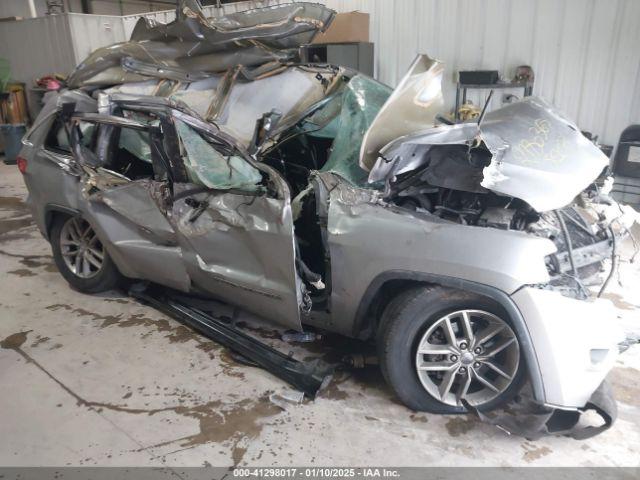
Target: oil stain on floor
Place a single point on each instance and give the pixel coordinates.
(460, 425)
(533, 452)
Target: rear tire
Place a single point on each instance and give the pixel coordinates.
(433, 318)
(80, 256)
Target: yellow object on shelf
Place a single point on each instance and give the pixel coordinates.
(13, 105)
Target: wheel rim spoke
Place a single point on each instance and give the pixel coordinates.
(88, 231)
(498, 370)
(77, 228)
(467, 328)
(447, 327)
(86, 266)
(447, 382)
(432, 349)
(80, 248)
(435, 366)
(487, 383)
(78, 264)
(72, 233)
(464, 388)
(488, 333)
(501, 346)
(93, 261)
(99, 255)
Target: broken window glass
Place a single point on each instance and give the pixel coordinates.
(136, 142)
(131, 155)
(58, 141)
(206, 165)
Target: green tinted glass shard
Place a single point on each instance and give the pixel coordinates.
(361, 101)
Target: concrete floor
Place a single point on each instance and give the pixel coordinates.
(102, 380)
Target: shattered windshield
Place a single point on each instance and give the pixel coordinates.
(361, 101)
(207, 166)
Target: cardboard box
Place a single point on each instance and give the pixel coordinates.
(346, 28)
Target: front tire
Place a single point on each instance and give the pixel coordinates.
(81, 257)
(441, 349)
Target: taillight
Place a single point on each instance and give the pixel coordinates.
(22, 164)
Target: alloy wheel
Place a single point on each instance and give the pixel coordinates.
(81, 249)
(469, 355)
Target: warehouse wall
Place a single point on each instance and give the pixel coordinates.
(37, 46)
(90, 32)
(585, 53)
(126, 7)
(20, 8)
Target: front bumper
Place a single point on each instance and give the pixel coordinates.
(532, 421)
(575, 343)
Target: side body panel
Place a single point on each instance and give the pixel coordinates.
(49, 178)
(133, 252)
(240, 249)
(136, 233)
(368, 238)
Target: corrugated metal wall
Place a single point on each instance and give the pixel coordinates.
(89, 32)
(585, 53)
(37, 46)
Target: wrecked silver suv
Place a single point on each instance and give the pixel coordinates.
(201, 157)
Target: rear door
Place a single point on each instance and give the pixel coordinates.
(123, 172)
(233, 221)
(125, 181)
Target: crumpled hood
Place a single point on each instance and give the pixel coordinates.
(412, 106)
(537, 155)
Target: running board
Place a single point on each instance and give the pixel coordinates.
(309, 377)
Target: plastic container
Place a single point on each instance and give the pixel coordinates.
(12, 140)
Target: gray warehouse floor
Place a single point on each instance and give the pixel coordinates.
(102, 380)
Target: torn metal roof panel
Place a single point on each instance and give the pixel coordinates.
(193, 46)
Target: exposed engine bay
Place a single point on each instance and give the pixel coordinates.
(448, 186)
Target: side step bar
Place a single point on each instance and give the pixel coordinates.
(309, 377)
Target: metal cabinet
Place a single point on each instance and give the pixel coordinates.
(358, 56)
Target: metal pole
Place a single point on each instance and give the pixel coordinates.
(32, 9)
